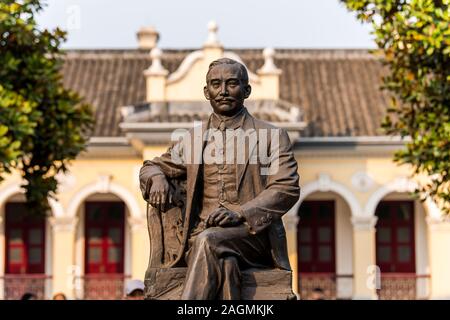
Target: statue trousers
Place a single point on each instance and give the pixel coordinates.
(215, 257)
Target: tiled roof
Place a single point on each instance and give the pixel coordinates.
(337, 90)
(189, 111)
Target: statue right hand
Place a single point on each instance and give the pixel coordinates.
(160, 192)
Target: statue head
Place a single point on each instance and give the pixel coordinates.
(227, 86)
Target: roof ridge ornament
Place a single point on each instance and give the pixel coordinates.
(148, 38)
(213, 40)
(156, 67)
(269, 66)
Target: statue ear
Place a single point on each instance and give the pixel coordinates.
(206, 93)
(247, 91)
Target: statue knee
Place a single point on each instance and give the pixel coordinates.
(207, 238)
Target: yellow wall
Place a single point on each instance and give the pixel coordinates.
(119, 177)
(439, 237)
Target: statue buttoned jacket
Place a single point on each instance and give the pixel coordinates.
(266, 189)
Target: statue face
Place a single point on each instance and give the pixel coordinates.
(226, 90)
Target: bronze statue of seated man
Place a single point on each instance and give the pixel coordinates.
(218, 195)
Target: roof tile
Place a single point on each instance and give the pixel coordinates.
(337, 90)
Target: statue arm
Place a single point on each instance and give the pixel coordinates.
(171, 164)
(280, 194)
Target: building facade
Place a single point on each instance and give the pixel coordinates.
(355, 233)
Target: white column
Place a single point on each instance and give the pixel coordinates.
(64, 254)
(365, 277)
(140, 247)
(439, 250)
(290, 224)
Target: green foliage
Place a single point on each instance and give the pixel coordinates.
(17, 120)
(42, 125)
(414, 39)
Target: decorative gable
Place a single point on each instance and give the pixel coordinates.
(175, 100)
(187, 82)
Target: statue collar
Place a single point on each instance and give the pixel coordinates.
(223, 122)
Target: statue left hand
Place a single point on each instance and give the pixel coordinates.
(222, 217)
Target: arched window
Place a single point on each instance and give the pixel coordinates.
(25, 240)
(104, 230)
(395, 244)
(316, 238)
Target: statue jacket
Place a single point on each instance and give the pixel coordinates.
(267, 188)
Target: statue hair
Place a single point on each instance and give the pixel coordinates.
(218, 62)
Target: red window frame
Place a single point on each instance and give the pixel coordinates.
(16, 219)
(313, 216)
(101, 218)
(388, 238)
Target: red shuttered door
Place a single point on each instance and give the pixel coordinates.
(25, 240)
(316, 237)
(395, 237)
(104, 232)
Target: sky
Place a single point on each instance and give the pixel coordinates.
(183, 24)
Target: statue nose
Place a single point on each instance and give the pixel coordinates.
(223, 89)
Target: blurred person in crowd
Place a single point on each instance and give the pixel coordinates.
(318, 294)
(134, 290)
(28, 296)
(59, 296)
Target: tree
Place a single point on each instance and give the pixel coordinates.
(42, 124)
(17, 119)
(413, 37)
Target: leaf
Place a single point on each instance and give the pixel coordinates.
(3, 130)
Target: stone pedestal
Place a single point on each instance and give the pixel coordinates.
(257, 284)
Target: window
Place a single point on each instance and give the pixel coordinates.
(104, 236)
(395, 236)
(316, 238)
(25, 240)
